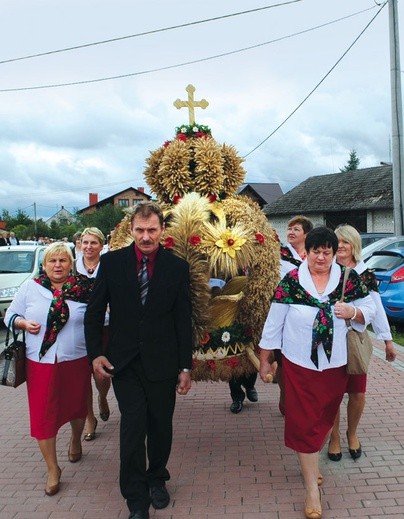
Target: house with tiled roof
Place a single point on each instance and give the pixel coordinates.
(262, 193)
(362, 198)
(125, 199)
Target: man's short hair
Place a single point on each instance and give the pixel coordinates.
(146, 209)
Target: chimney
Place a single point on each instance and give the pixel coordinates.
(93, 198)
(140, 189)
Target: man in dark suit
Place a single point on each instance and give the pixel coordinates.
(149, 352)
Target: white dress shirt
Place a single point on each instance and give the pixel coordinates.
(380, 322)
(286, 266)
(289, 327)
(32, 301)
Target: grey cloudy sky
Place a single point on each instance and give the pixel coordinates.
(59, 144)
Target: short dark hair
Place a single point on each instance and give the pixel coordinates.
(321, 237)
(306, 223)
(146, 209)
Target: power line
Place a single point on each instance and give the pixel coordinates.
(69, 191)
(178, 65)
(120, 38)
(316, 87)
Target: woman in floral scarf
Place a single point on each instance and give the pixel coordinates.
(349, 255)
(306, 322)
(51, 310)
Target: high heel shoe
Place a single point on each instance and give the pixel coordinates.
(355, 453)
(51, 490)
(88, 437)
(104, 412)
(74, 457)
(313, 513)
(333, 456)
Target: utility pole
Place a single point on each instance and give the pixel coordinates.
(396, 119)
(35, 226)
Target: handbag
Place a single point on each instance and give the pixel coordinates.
(359, 344)
(12, 358)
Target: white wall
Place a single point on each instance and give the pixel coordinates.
(280, 224)
(380, 221)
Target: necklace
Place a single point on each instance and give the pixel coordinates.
(90, 269)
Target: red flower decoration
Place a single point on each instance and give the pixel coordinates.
(177, 199)
(169, 242)
(181, 137)
(248, 332)
(194, 240)
(212, 197)
(166, 144)
(232, 362)
(260, 237)
(206, 339)
(211, 364)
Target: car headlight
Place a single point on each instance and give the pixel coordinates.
(8, 292)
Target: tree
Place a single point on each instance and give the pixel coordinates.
(353, 162)
(21, 218)
(105, 218)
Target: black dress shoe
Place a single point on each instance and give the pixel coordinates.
(335, 456)
(159, 497)
(236, 406)
(355, 453)
(139, 514)
(252, 394)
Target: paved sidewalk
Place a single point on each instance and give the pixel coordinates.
(222, 465)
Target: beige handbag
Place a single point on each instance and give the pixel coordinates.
(359, 344)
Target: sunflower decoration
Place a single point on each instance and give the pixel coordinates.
(229, 249)
(232, 250)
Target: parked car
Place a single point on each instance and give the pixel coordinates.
(371, 237)
(387, 243)
(17, 263)
(388, 267)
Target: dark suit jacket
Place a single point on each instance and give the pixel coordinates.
(160, 331)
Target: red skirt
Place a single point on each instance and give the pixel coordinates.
(312, 399)
(57, 394)
(357, 383)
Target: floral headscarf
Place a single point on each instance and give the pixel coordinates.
(290, 291)
(75, 288)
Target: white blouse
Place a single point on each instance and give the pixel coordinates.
(81, 269)
(32, 301)
(286, 266)
(289, 327)
(380, 322)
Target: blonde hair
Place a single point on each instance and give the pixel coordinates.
(350, 235)
(94, 231)
(57, 249)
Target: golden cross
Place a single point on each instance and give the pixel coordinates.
(191, 103)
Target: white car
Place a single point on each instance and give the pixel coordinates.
(17, 263)
(388, 243)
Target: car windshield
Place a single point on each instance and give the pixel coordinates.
(384, 261)
(16, 262)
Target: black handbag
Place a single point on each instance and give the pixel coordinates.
(12, 358)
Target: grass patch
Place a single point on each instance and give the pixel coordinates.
(397, 331)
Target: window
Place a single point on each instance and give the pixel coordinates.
(123, 202)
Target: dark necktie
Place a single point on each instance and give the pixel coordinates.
(143, 279)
